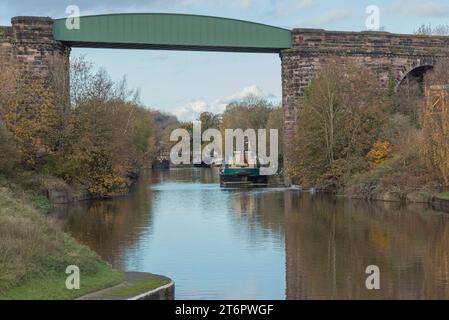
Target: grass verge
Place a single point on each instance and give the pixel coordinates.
(35, 252)
(53, 287)
(136, 287)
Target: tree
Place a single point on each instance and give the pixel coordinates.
(409, 99)
(209, 121)
(100, 140)
(29, 112)
(439, 30)
(435, 119)
(249, 113)
(108, 135)
(339, 122)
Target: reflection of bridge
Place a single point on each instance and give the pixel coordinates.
(31, 40)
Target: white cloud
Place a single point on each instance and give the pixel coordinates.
(246, 3)
(286, 8)
(252, 90)
(333, 16)
(330, 16)
(192, 110)
(428, 9)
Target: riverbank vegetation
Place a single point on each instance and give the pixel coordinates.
(94, 143)
(35, 252)
(98, 141)
(355, 138)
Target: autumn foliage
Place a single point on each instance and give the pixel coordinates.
(350, 140)
(379, 153)
(435, 121)
(339, 122)
(99, 141)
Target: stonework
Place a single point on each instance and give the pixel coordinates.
(386, 55)
(29, 43)
(5, 44)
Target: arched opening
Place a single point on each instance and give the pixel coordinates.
(409, 97)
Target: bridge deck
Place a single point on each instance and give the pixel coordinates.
(173, 32)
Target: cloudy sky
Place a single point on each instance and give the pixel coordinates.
(187, 83)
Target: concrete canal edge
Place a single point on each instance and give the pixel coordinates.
(166, 292)
(137, 286)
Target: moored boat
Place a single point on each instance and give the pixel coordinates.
(242, 171)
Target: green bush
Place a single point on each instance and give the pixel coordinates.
(68, 170)
(42, 203)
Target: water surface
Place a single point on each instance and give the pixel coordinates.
(272, 243)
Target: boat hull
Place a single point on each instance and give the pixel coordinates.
(248, 176)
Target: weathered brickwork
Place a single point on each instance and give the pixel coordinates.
(5, 44)
(29, 44)
(34, 46)
(387, 55)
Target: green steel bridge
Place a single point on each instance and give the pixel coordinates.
(172, 32)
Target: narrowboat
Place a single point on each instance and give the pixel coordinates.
(242, 170)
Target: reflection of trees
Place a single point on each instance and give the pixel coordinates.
(111, 227)
(329, 244)
(207, 176)
(259, 213)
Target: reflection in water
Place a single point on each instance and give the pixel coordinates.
(330, 243)
(264, 243)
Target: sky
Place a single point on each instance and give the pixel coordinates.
(188, 83)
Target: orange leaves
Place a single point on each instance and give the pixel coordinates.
(29, 112)
(379, 153)
(99, 141)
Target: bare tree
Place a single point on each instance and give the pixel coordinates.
(428, 29)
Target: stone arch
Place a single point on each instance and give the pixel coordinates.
(410, 88)
(416, 69)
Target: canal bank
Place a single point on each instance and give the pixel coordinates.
(35, 252)
(427, 196)
(137, 286)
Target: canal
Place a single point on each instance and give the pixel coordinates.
(272, 243)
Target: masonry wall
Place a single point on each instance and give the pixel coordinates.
(29, 45)
(34, 48)
(387, 55)
(5, 44)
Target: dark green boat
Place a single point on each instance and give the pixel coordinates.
(242, 174)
